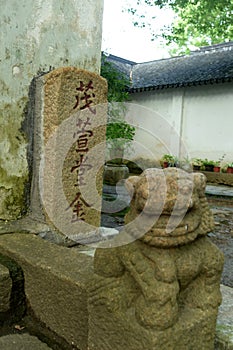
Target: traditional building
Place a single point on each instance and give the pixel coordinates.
(193, 93)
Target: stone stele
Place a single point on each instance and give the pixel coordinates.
(70, 126)
(162, 291)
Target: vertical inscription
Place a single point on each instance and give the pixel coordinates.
(71, 124)
(83, 134)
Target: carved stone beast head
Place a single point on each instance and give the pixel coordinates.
(169, 206)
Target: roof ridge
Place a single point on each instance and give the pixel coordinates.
(211, 65)
(202, 50)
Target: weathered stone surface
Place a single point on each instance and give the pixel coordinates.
(164, 296)
(92, 311)
(70, 131)
(221, 191)
(5, 289)
(219, 178)
(22, 342)
(163, 290)
(173, 202)
(35, 36)
(56, 280)
(114, 173)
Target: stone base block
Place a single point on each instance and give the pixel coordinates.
(193, 331)
(114, 173)
(70, 300)
(219, 178)
(56, 280)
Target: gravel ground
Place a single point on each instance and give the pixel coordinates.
(222, 236)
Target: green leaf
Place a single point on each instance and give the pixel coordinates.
(197, 23)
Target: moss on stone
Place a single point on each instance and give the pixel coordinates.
(13, 160)
(14, 205)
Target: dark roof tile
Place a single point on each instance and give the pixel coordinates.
(209, 65)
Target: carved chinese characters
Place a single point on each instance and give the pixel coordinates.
(86, 100)
(72, 123)
(80, 167)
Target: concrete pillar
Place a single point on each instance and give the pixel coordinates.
(37, 36)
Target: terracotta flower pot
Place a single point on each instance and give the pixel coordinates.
(165, 164)
(230, 170)
(217, 169)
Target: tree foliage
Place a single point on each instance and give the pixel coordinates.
(119, 133)
(196, 23)
(117, 82)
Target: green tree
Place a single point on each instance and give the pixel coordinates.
(119, 133)
(196, 22)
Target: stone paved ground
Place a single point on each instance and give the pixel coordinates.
(219, 190)
(21, 342)
(224, 330)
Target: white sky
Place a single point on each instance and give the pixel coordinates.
(123, 39)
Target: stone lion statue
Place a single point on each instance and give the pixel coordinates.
(171, 273)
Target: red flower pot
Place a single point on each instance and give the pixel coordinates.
(230, 170)
(217, 169)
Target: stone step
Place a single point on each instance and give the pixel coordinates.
(223, 191)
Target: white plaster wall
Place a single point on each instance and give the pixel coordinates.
(208, 121)
(35, 36)
(158, 101)
(164, 124)
(202, 116)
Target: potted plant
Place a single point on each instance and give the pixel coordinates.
(217, 164)
(119, 135)
(208, 164)
(217, 167)
(169, 160)
(230, 168)
(197, 163)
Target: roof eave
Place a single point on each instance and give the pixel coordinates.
(180, 85)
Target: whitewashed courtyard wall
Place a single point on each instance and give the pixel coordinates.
(37, 36)
(201, 115)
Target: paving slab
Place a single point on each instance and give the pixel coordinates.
(224, 329)
(225, 191)
(22, 342)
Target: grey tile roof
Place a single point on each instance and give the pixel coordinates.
(123, 65)
(209, 65)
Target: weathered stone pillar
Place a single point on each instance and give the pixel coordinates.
(37, 36)
(69, 149)
(162, 291)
